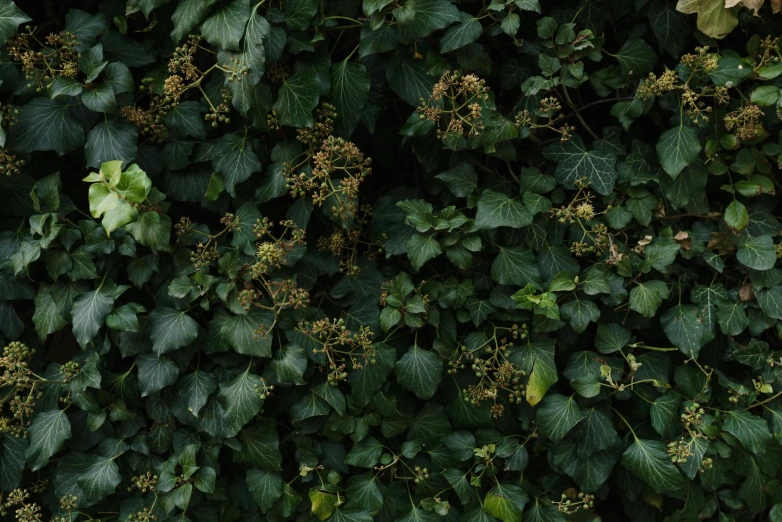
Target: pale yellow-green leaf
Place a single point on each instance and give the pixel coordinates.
(714, 19)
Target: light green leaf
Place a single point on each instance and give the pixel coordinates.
(419, 371)
(505, 502)
(714, 19)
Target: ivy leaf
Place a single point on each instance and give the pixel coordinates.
(537, 359)
(669, 26)
(151, 229)
(296, 99)
(461, 180)
(597, 433)
(557, 415)
(677, 148)
(349, 92)
(646, 298)
(422, 248)
(366, 381)
(611, 337)
(100, 479)
(649, 460)
(261, 446)
(757, 253)
(736, 215)
(195, 389)
(299, 13)
(225, 28)
(363, 491)
(458, 35)
(429, 16)
(46, 125)
(685, 329)
(574, 162)
(89, 313)
(365, 454)
(505, 502)
(665, 414)
(265, 487)
(714, 19)
(155, 373)
(241, 399)
(419, 371)
(409, 79)
(636, 57)
(171, 329)
(732, 318)
(770, 301)
(751, 430)
(187, 15)
(580, 313)
(237, 161)
(11, 17)
(111, 139)
(240, 333)
(48, 432)
(12, 461)
(516, 266)
(498, 210)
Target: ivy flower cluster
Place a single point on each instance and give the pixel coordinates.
(456, 105)
(43, 63)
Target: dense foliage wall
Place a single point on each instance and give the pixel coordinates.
(553, 293)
